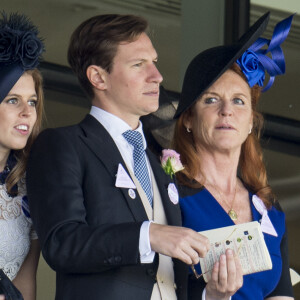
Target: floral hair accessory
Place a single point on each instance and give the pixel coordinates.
(19, 41)
(254, 61)
(20, 49)
(252, 68)
(170, 162)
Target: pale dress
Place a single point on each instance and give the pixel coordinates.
(15, 231)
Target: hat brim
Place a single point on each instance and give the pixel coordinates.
(9, 75)
(210, 64)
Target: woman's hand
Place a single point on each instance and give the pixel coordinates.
(226, 278)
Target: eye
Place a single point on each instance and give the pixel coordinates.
(12, 101)
(210, 100)
(138, 64)
(32, 103)
(238, 101)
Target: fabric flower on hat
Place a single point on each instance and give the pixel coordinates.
(252, 68)
(170, 162)
(29, 50)
(257, 59)
(19, 42)
(7, 45)
(20, 49)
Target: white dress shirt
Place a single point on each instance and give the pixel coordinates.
(115, 127)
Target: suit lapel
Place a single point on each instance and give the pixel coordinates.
(172, 211)
(98, 140)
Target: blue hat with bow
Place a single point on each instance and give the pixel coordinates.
(248, 53)
(20, 49)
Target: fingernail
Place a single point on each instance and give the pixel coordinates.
(229, 252)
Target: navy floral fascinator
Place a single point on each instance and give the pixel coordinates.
(20, 49)
(248, 53)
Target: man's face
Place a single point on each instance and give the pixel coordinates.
(132, 87)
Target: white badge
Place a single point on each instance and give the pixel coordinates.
(266, 224)
(123, 179)
(173, 193)
(131, 193)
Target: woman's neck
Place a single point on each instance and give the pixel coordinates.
(219, 169)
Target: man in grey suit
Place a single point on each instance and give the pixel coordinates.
(106, 214)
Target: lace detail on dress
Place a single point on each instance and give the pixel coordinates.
(15, 230)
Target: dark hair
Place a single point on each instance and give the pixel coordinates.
(22, 155)
(96, 40)
(251, 166)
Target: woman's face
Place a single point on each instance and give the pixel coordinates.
(222, 117)
(18, 114)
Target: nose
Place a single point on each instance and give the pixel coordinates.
(25, 110)
(155, 75)
(226, 109)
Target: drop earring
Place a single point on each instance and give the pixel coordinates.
(250, 130)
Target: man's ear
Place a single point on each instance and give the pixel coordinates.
(97, 77)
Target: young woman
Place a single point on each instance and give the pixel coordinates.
(21, 109)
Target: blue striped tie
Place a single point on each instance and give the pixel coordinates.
(135, 139)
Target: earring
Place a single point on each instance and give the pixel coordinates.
(250, 130)
(188, 130)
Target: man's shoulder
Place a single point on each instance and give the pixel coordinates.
(59, 136)
(66, 131)
(57, 132)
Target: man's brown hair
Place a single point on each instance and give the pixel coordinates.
(96, 40)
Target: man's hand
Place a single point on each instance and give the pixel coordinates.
(178, 242)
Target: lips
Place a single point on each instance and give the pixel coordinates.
(225, 126)
(154, 92)
(22, 128)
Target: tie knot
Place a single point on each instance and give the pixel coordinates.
(134, 138)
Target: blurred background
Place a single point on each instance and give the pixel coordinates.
(179, 30)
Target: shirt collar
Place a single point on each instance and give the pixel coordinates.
(114, 125)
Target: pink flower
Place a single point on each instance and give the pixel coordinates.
(170, 162)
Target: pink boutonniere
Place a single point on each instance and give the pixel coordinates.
(170, 162)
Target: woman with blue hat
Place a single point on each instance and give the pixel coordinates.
(21, 109)
(224, 180)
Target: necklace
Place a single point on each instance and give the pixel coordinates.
(231, 212)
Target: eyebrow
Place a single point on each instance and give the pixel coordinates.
(216, 94)
(210, 93)
(141, 59)
(18, 95)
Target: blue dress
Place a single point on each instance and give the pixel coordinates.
(201, 211)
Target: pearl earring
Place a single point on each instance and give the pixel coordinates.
(188, 130)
